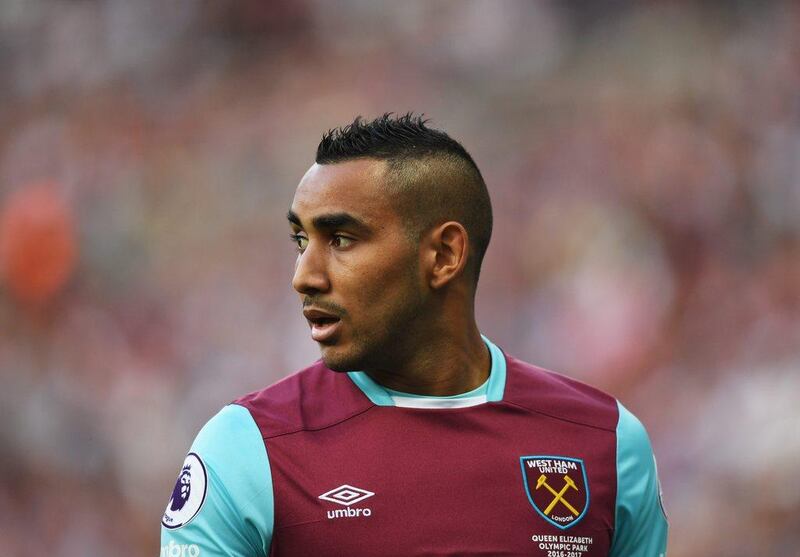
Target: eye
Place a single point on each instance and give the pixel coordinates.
(300, 241)
(339, 241)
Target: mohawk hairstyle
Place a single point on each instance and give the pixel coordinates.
(387, 137)
(430, 175)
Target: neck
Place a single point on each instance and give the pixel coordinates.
(440, 363)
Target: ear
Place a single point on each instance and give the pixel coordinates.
(449, 245)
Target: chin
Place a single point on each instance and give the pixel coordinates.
(334, 360)
(339, 360)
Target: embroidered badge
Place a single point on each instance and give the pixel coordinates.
(557, 488)
(188, 495)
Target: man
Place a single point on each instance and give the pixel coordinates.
(414, 435)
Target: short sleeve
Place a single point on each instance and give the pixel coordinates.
(641, 524)
(222, 503)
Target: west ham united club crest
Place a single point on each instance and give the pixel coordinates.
(557, 488)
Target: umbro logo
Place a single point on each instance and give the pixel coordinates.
(347, 495)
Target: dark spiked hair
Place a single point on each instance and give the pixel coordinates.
(433, 177)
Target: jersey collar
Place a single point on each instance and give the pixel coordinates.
(491, 391)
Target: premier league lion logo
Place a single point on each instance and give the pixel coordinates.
(182, 489)
(188, 495)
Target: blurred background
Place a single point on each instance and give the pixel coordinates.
(644, 164)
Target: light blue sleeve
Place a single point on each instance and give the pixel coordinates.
(222, 504)
(641, 525)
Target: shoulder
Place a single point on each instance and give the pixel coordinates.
(631, 433)
(635, 458)
(230, 446)
(311, 399)
(558, 396)
(641, 527)
(222, 500)
(227, 459)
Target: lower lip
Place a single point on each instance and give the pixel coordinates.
(321, 333)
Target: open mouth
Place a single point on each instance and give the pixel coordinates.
(323, 329)
(323, 324)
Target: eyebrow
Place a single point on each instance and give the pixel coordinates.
(331, 221)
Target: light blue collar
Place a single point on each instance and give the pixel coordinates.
(490, 391)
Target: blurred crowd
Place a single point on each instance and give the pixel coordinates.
(644, 164)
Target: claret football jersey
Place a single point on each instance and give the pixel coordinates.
(325, 463)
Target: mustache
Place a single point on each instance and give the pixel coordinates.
(330, 307)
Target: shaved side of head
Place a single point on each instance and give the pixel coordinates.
(438, 188)
(430, 177)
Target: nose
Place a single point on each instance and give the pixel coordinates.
(310, 271)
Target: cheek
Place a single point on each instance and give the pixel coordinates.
(388, 289)
(375, 284)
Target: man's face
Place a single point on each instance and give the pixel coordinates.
(357, 273)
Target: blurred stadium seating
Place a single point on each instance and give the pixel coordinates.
(643, 160)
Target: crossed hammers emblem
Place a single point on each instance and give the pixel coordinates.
(559, 495)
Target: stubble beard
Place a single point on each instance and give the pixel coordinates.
(381, 344)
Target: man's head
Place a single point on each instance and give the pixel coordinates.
(392, 220)
(430, 177)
